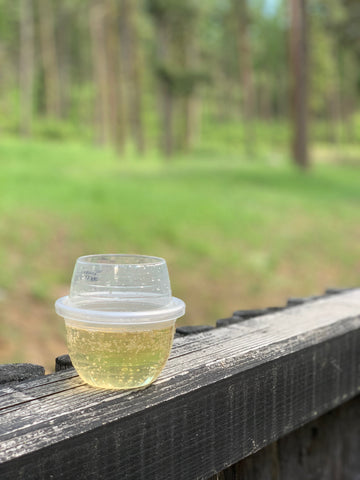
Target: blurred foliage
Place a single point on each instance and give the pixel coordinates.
(186, 58)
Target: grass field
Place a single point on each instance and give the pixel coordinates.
(236, 233)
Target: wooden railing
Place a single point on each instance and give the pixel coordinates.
(269, 397)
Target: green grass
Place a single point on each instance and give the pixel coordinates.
(235, 232)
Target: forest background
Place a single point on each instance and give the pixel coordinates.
(222, 135)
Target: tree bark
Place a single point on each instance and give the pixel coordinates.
(246, 71)
(98, 40)
(115, 76)
(131, 50)
(299, 77)
(168, 127)
(264, 97)
(245, 58)
(49, 58)
(192, 101)
(192, 120)
(26, 66)
(165, 96)
(66, 19)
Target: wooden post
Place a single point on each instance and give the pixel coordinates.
(298, 71)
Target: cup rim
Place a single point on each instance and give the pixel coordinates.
(147, 260)
(169, 312)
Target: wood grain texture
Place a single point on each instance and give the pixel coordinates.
(223, 395)
(325, 449)
(18, 372)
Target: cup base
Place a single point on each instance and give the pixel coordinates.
(114, 384)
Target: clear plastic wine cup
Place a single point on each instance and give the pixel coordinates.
(120, 319)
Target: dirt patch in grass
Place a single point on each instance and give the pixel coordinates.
(36, 262)
(34, 333)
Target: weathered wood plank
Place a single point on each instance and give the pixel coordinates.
(19, 372)
(63, 362)
(223, 395)
(326, 448)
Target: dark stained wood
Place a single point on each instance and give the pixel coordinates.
(262, 465)
(255, 312)
(224, 394)
(240, 315)
(326, 448)
(18, 372)
(193, 329)
(336, 290)
(63, 362)
(225, 322)
(293, 301)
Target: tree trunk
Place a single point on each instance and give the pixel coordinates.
(192, 104)
(333, 116)
(192, 120)
(167, 127)
(165, 96)
(26, 66)
(49, 58)
(115, 76)
(299, 74)
(66, 20)
(245, 59)
(347, 99)
(263, 96)
(246, 70)
(131, 49)
(98, 40)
